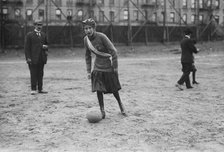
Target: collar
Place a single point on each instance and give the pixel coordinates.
(92, 36)
(187, 36)
(36, 31)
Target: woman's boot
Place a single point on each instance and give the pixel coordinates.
(101, 103)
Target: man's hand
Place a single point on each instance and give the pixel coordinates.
(89, 75)
(115, 70)
(45, 46)
(28, 61)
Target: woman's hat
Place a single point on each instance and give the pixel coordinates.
(89, 22)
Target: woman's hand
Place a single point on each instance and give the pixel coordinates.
(28, 61)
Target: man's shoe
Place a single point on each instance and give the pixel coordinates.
(195, 82)
(33, 92)
(43, 92)
(179, 86)
(190, 87)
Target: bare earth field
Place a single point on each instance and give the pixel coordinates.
(160, 117)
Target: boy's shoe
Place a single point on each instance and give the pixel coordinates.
(179, 86)
(33, 92)
(195, 82)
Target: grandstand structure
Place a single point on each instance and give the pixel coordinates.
(207, 14)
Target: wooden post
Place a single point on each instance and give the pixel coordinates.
(164, 23)
(70, 31)
(1, 30)
(46, 10)
(146, 34)
(129, 25)
(197, 19)
(25, 24)
(111, 33)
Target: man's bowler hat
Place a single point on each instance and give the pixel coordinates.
(38, 22)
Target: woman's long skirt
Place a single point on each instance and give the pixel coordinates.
(106, 82)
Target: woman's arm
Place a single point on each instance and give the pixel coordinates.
(112, 50)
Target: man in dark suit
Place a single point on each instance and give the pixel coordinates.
(36, 47)
(187, 59)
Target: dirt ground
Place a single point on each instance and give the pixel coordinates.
(160, 117)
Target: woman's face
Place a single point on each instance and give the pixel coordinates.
(89, 30)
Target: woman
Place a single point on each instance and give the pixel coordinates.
(104, 75)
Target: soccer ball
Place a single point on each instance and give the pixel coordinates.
(94, 116)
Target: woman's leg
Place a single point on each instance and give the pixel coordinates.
(194, 74)
(194, 77)
(101, 103)
(117, 96)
